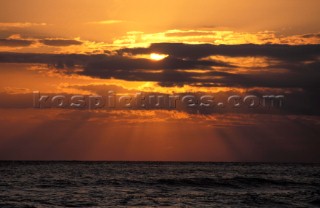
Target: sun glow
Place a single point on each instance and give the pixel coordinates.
(157, 57)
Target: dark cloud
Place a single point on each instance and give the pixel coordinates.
(296, 66)
(181, 50)
(72, 135)
(7, 42)
(295, 101)
(311, 35)
(102, 63)
(10, 42)
(60, 42)
(58, 60)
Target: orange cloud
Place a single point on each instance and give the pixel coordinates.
(106, 22)
(20, 24)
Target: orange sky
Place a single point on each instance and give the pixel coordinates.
(94, 20)
(204, 46)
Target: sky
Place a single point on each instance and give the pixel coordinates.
(146, 48)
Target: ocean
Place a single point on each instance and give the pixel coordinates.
(153, 184)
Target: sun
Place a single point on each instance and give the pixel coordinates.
(157, 57)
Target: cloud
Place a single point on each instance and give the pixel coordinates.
(8, 42)
(311, 35)
(212, 36)
(167, 135)
(296, 66)
(106, 22)
(104, 62)
(20, 24)
(18, 41)
(197, 51)
(192, 33)
(60, 42)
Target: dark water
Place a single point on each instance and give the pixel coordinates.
(103, 184)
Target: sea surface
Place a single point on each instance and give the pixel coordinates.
(145, 184)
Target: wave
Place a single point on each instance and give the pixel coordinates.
(235, 182)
